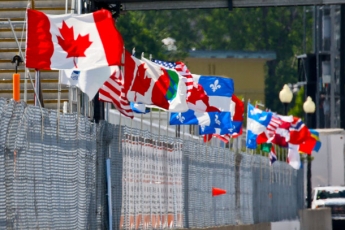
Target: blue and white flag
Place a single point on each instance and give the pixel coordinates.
(257, 121)
(139, 108)
(190, 118)
(218, 92)
(217, 98)
(220, 123)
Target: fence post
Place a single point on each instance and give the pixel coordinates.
(238, 159)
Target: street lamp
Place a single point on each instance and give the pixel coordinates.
(285, 96)
(309, 109)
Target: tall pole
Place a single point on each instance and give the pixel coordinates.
(285, 108)
(309, 159)
(342, 67)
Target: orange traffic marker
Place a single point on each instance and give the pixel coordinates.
(16, 86)
(218, 191)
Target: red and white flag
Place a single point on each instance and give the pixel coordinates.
(72, 41)
(113, 91)
(299, 132)
(155, 86)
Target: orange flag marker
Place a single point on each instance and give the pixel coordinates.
(218, 191)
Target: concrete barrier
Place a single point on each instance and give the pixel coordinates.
(316, 219)
(261, 226)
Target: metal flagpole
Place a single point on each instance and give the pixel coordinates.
(150, 58)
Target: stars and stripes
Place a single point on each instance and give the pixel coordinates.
(112, 91)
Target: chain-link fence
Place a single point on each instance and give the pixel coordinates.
(53, 176)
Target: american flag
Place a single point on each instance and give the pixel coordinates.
(112, 91)
(272, 126)
(182, 69)
(270, 132)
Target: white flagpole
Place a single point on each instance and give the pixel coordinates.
(150, 58)
(247, 125)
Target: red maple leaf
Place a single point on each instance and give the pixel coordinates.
(141, 82)
(74, 47)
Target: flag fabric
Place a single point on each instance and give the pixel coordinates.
(257, 121)
(220, 123)
(267, 136)
(294, 157)
(219, 92)
(308, 145)
(299, 132)
(88, 81)
(237, 112)
(139, 108)
(197, 98)
(113, 91)
(272, 155)
(225, 138)
(71, 41)
(156, 86)
(266, 147)
(281, 135)
(182, 69)
(315, 135)
(190, 118)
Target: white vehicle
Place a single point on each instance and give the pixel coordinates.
(332, 197)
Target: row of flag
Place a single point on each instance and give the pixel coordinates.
(90, 53)
(78, 46)
(270, 129)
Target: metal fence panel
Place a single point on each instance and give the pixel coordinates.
(52, 176)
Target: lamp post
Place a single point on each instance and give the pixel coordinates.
(309, 109)
(285, 96)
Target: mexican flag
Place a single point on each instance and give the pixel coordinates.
(154, 85)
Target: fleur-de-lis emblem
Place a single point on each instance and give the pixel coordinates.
(202, 127)
(75, 75)
(215, 86)
(217, 120)
(180, 117)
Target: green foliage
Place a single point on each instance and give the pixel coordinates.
(297, 109)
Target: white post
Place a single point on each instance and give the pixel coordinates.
(37, 87)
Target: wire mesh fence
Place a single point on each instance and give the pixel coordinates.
(52, 176)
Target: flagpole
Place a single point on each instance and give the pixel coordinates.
(58, 105)
(150, 58)
(247, 126)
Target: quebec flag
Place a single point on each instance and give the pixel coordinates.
(220, 123)
(190, 118)
(217, 99)
(257, 121)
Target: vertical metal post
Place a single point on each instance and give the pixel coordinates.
(70, 89)
(304, 31)
(309, 159)
(342, 67)
(26, 85)
(66, 6)
(37, 87)
(110, 210)
(317, 52)
(332, 117)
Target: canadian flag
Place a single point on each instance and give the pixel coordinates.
(70, 41)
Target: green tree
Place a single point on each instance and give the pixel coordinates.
(297, 109)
